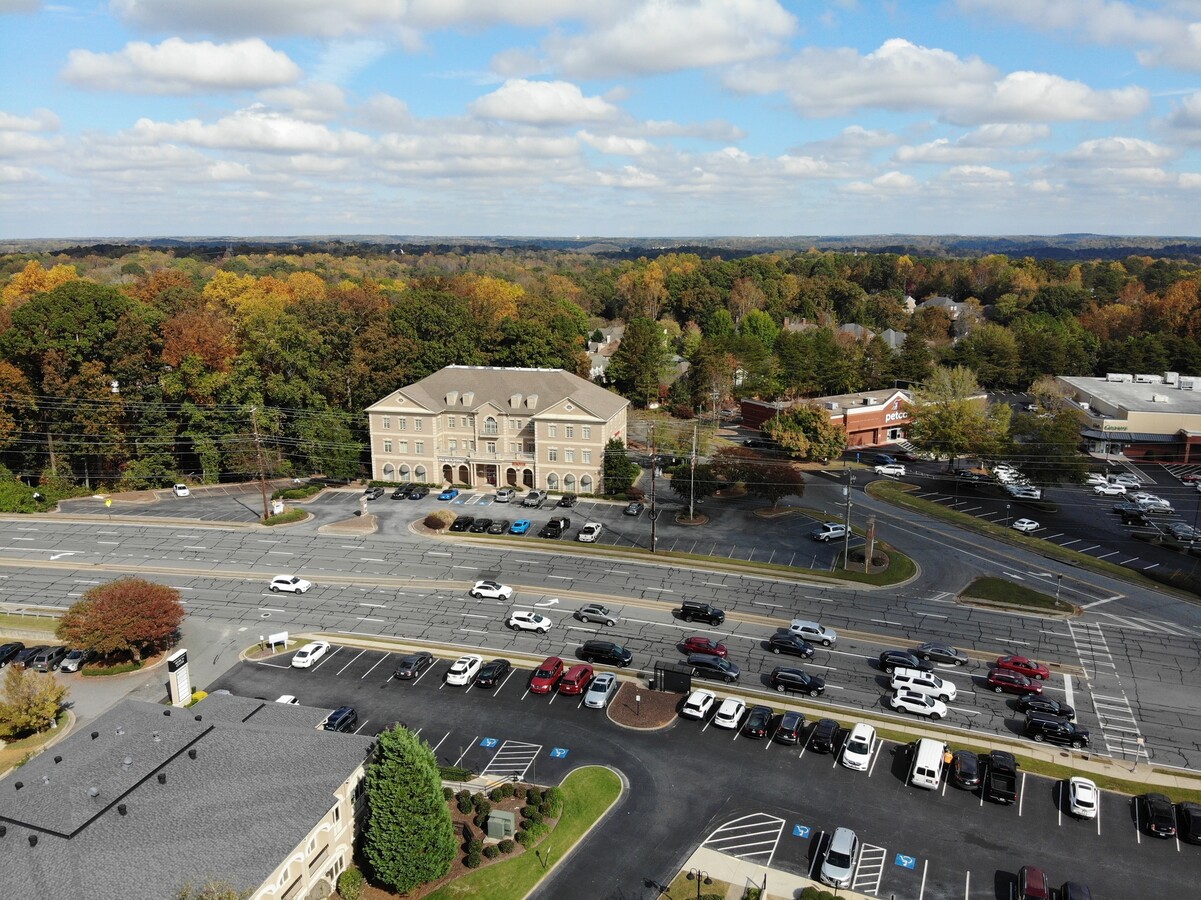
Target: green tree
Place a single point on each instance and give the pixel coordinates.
(619, 471)
(773, 481)
(759, 325)
(328, 444)
(31, 702)
(807, 431)
(915, 361)
(409, 838)
(991, 351)
(638, 362)
(950, 416)
(126, 617)
(693, 487)
(1044, 447)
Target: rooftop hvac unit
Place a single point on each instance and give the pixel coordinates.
(1148, 379)
(1159, 398)
(870, 401)
(1116, 376)
(831, 404)
(1188, 384)
(1170, 377)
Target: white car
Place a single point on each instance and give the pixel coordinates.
(289, 584)
(698, 704)
(590, 532)
(1109, 490)
(890, 469)
(828, 531)
(1024, 492)
(529, 621)
(601, 691)
(493, 590)
(309, 654)
(1096, 478)
(1150, 500)
(912, 701)
(505, 495)
(857, 751)
(729, 714)
(1083, 798)
(1026, 525)
(287, 699)
(464, 669)
(1126, 479)
(181, 490)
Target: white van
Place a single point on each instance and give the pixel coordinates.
(925, 771)
(923, 683)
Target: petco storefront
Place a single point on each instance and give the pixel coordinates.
(870, 418)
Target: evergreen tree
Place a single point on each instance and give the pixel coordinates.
(620, 472)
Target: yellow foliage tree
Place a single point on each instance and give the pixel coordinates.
(492, 300)
(35, 279)
(306, 286)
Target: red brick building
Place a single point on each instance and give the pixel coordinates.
(870, 418)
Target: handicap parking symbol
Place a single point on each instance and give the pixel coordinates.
(488, 742)
(801, 831)
(558, 752)
(906, 862)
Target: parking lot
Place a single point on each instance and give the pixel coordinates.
(693, 783)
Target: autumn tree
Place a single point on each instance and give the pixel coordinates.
(35, 279)
(31, 702)
(807, 431)
(773, 481)
(129, 617)
(950, 416)
(693, 486)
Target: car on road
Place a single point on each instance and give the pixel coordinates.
(965, 769)
(859, 746)
(590, 532)
(842, 856)
(287, 700)
(493, 673)
(828, 531)
(76, 659)
(373, 493)
(567, 501)
(1095, 478)
(883, 459)
(1158, 815)
(555, 528)
(601, 691)
(893, 469)
(903, 659)
(596, 612)
(479, 526)
(48, 660)
(448, 493)
(1023, 665)
(707, 666)
(309, 654)
(758, 722)
(9, 651)
(1083, 797)
(1109, 490)
(1191, 478)
(525, 620)
(1025, 526)
(690, 610)
(1189, 817)
(1183, 531)
(420, 492)
(491, 590)
(546, 676)
(1049, 705)
(500, 526)
(698, 704)
(505, 495)
(462, 523)
(411, 665)
(606, 652)
(922, 705)
(1005, 682)
(698, 644)
(575, 680)
(813, 632)
(633, 508)
(788, 731)
(181, 490)
(344, 719)
(798, 681)
(1043, 727)
(784, 642)
(464, 669)
(938, 652)
(289, 584)
(521, 526)
(534, 499)
(923, 683)
(824, 736)
(730, 713)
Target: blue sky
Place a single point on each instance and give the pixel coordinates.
(135, 118)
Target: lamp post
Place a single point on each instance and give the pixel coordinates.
(699, 877)
(846, 538)
(1006, 515)
(1058, 585)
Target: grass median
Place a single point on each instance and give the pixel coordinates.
(587, 795)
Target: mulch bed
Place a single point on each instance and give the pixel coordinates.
(657, 709)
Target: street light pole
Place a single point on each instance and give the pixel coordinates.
(654, 507)
(1006, 515)
(699, 876)
(846, 538)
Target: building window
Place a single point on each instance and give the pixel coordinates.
(552, 430)
(586, 484)
(454, 445)
(403, 473)
(389, 472)
(552, 455)
(387, 422)
(569, 483)
(570, 431)
(490, 426)
(552, 482)
(421, 448)
(492, 446)
(450, 421)
(417, 423)
(419, 474)
(587, 432)
(402, 424)
(404, 446)
(464, 421)
(587, 457)
(387, 446)
(569, 456)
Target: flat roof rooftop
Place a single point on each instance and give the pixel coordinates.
(1134, 397)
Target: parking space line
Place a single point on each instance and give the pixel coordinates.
(372, 669)
(439, 744)
(351, 663)
(1086, 549)
(469, 745)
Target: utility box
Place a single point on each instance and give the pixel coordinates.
(500, 824)
(672, 677)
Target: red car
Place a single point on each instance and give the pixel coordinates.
(547, 675)
(1191, 478)
(703, 645)
(1024, 666)
(575, 680)
(1004, 681)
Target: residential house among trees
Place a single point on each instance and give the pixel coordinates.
(485, 426)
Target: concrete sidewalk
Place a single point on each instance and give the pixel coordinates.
(741, 874)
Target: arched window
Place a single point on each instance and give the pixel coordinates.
(419, 474)
(448, 474)
(490, 426)
(569, 483)
(403, 473)
(389, 472)
(586, 484)
(552, 482)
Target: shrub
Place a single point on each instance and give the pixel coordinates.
(472, 861)
(506, 846)
(478, 800)
(752, 893)
(448, 794)
(554, 799)
(350, 884)
(492, 852)
(496, 795)
(481, 813)
(521, 837)
(119, 669)
(519, 791)
(533, 796)
(506, 789)
(292, 515)
(439, 520)
(531, 814)
(474, 846)
(546, 809)
(536, 832)
(465, 805)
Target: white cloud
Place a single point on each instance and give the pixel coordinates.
(977, 175)
(40, 120)
(1184, 123)
(1190, 180)
(16, 174)
(1119, 151)
(714, 130)
(670, 35)
(178, 67)
(383, 111)
(542, 103)
(253, 129)
(1009, 134)
(341, 60)
(985, 144)
(889, 183)
(315, 101)
(19, 6)
(615, 145)
(904, 76)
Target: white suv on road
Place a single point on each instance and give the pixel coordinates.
(813, 632)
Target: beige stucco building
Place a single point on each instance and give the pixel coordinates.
(1152, 416)
(484, 426)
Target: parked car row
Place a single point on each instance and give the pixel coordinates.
(44, 657)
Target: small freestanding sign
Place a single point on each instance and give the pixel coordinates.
(179, 680)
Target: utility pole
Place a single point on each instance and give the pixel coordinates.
(692, 477)
(846, 538)
(654, 469)
(258, 454)
(871, 543)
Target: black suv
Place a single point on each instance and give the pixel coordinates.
(784, 642)
(824, 736)
(903, 659)
(1045, 727)
(344, 718)
(707, 666)
(691, 610)
(403, 491)
(605, 652)
(8, 651)
(798, 680)
(462, 523)
(568, 501)
(1037, 703)
(555, 527)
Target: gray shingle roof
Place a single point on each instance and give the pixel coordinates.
(261, 779)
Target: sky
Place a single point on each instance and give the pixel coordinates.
(622, 118)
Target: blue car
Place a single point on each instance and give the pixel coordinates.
(521, 526)
(449, 494)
